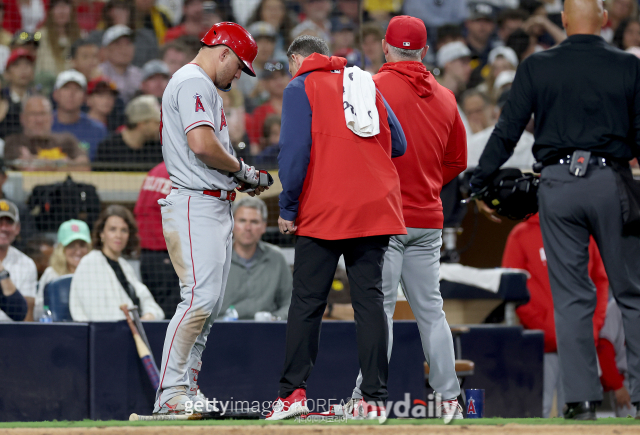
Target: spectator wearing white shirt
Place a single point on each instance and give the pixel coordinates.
(104, 280)
(18, 274)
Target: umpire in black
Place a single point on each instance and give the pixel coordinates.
(585, 98)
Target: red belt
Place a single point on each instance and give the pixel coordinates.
(225, 195)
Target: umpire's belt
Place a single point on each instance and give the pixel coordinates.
(224, 195)
(593, 160)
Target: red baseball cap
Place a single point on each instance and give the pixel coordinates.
(406, 32)
(101, 84)
(19, 53)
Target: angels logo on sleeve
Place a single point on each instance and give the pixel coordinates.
(199, 105)
(223, 119)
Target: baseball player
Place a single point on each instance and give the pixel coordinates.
(196, 215)
(436, 154)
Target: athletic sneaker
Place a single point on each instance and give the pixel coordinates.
(351, 403)
(366, 411)
(292, 406)
(175, 405)
(200, 402)
(450, 410)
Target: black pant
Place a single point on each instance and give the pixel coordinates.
(314, 267)
(159, 275)
(572, 209)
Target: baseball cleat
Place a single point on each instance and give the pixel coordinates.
(292, 406)
(450, 410)
(363, 410)
(201, 403)
(175, 405)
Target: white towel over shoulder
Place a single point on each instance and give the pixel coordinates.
(359, 102)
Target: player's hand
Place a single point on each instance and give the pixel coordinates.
(623, 399)
(247, 174)
(258, 190)
(286, 227)
(487, 211)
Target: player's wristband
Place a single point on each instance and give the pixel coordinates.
(4, 274)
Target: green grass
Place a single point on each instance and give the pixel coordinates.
(484, 421)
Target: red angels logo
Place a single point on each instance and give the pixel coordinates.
(223, 119)
(472, 407)
(199, 105)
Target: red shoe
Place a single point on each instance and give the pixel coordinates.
(366, 411)
(292, 406)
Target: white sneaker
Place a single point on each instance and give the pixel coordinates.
(292, 406)
(450, 410)
(363, 410)
(175, 405)
(200, 402)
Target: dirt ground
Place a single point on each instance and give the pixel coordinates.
(327, 429)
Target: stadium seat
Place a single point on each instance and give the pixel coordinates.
(56, 297)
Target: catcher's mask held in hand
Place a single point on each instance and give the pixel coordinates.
(512, 194)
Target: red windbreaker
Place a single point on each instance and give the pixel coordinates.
(524, 250)
(155, 186)
(436, 139)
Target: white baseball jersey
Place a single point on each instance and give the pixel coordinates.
(191, 100)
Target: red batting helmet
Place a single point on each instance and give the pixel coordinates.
(236, 38)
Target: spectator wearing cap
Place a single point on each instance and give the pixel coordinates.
(454, 61)
(85, 58)
(155, 264)
(30, 41)
(138, 142)
(342, 34)
(522, 157)
(23, 15)
(119, 50)
(155, 78)
(123, 12)
(275, 13)
(19, 74)
(18, 273)
(372, 34)
(481, 26)
(27, 224)
(38, 148)
(150, 16)
(253, 87)
(69, 95)
(275, 76)
(510, 20)
(500, 59)
(317, 20)
(175, 55)
(73, 243)
(192, 21)
(59, 33)
(101, 99)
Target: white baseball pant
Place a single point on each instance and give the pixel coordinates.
(414, 261)
(197, 229)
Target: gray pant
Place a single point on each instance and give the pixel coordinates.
(552, 382)
(414, 261)
(572, 209)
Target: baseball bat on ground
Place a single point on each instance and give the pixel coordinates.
(143, 350)
(251, 415)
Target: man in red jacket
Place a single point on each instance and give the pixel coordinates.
(436, 154)
(155, 264)
(341, 196)
(524, 250)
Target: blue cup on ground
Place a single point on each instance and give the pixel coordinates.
(475, 403)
